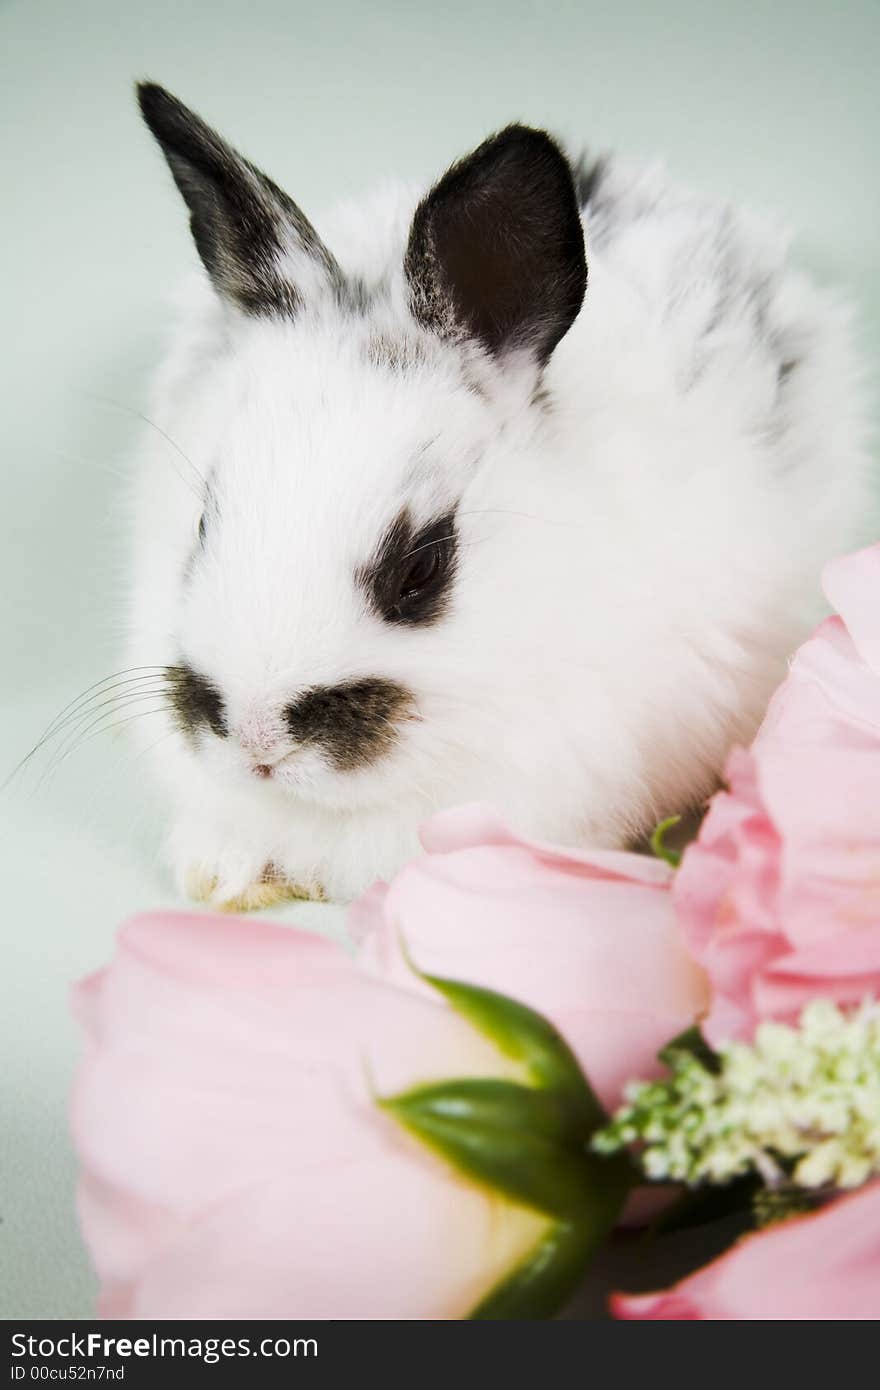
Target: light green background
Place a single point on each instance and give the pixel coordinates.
(775, 103)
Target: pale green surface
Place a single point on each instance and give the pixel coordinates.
(774, 102)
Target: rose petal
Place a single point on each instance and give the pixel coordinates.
(852, 584)
(392, 1236)
(820, 1267)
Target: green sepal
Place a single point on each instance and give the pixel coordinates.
(541, 1284)
(658, 842)
(525, 1037)
(527, 1142)
(515, 1140)
(494, 1103)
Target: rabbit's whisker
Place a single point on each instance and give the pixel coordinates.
(200, 492)
(151, 682)
(88, 734)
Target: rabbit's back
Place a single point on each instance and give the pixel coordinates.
(703, 306)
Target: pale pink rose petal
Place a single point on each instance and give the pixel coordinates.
(733, 962)
(728, 1020)
(85, 1001)
(537, 928)
(477, 826)
(464, 827)
(224, 951)
(365, 911)
(122, 1232)
(788, 858)
(614, 1047)
(852, 584)
(829, 698)
(654, 1307)
(115, 1302)
(386, 1236)
(228, 1069)
(727, 881)
(827, 807)
(726, 894)
(822, 1267)
(489, 917)
(235, 1160)
(843, 968)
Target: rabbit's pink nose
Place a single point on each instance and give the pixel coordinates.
(263, 737)
(262, 770)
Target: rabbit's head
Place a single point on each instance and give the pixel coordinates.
(340, 603)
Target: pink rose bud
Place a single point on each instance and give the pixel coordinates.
(235, 1162)
(587, 938)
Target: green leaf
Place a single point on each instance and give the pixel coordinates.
(659, 848)
(526, 1037)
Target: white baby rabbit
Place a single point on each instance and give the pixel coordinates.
(457, 526)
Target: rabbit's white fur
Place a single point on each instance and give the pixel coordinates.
(639, 552)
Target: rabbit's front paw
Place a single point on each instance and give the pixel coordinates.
(231, 874)
(267, 890)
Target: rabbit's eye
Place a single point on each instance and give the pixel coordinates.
(422, 569)
(409, 578)
(203, 527)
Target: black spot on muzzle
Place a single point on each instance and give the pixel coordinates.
(195, 701)
(354, 723)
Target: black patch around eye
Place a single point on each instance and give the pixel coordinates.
(409, 579)
(354, 723)
(195, 701)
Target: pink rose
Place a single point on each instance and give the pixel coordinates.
(235, 1162)
(779, 898)
(824, 1267)
(831, 697)
(588, 939)
(852, 586)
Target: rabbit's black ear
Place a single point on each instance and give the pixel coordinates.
(496, 249)
(250, 235)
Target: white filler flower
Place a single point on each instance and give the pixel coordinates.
(798, 1106)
